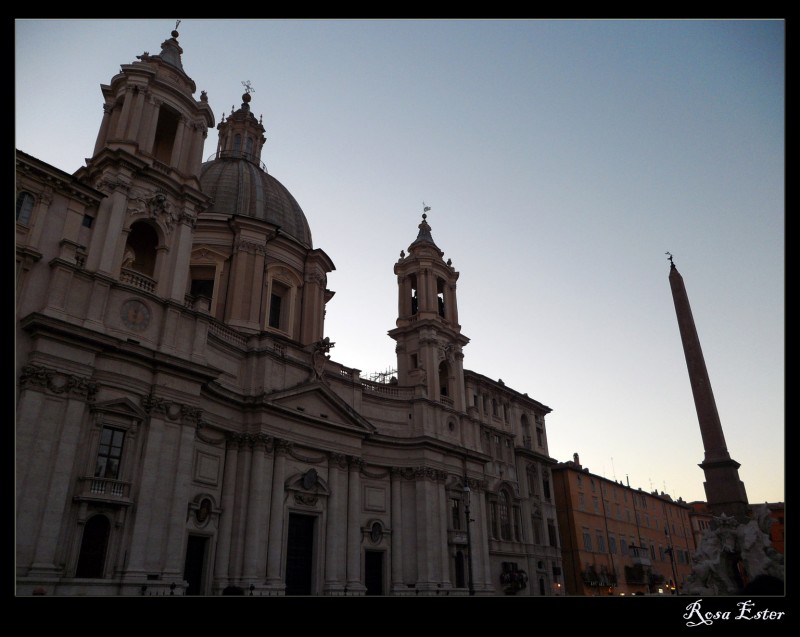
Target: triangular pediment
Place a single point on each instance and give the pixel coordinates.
(203, 253)
(121, 407)
(315, 401)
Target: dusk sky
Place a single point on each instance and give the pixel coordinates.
(561, 160)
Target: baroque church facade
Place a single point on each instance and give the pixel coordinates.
(181, 427)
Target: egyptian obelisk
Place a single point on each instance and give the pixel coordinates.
(725, 492)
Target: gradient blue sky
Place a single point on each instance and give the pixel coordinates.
(561, 159)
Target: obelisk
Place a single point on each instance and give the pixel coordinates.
(725, 492)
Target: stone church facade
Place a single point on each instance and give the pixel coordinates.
(181, 425)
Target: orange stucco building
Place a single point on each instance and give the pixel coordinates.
(616, 540)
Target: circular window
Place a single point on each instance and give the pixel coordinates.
(375, 532)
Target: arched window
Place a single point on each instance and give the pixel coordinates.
(414, 297)
(444, 374)
(237, 143)
(24, 207)
(166, 132)
(92, 557)
(440, 285)
(249, 146)
(140, 250)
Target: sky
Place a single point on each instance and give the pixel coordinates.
(560, 159)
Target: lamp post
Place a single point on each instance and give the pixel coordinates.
(671, 552)
(469, 538)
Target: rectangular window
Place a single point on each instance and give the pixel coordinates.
(494, 521)
(456, 513)
(581, 503)
(652, 552)
(601, 541)
(661, 552)
(612, 544)
(532, 484)
(623, 546)
(546, 487)
(87, 221)
(517, 525)
(275, 311)
(279, 307)
(537, 530)
(25, 203)
(596, 505)
(551, 532)
(540, 436)
(587, 540)
(109, 453)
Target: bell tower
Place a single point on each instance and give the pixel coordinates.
(428, 335)
(147, 161)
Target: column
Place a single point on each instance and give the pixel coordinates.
(122, 122)
(444, 509)
(177, 144)
(354, 527)
(102, 134)
(275, 548)
(150, 472)
(240, 506)
(222, 568)
(255, 541)
(136, 114)
(336, 520)
(426, 538)
(176, 546)
(397, 531)
(66, 418)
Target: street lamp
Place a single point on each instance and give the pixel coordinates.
(671, 552)
(469, 538)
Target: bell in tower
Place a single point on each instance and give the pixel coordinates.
(428, 335)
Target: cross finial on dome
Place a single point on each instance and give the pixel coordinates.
(247, 87)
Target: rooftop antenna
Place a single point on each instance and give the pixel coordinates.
(613, 471)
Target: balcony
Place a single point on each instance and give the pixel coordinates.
(137, 280)
(104, 490)
(640, 555)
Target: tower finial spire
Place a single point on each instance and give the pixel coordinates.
(669, 256)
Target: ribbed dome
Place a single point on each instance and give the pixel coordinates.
(239, 187)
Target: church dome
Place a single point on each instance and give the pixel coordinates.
(238, 186)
